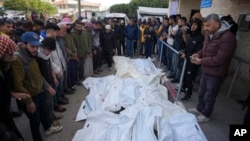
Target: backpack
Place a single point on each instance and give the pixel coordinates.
(24, 60)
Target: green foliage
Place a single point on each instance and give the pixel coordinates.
(131, 8)
(30, 5)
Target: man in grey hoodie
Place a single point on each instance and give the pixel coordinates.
(215, 57)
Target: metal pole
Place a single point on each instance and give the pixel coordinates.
(79, 8)
(161, 52)
(234, 78)
(181, 79)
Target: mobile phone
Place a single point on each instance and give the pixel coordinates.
(191, 58)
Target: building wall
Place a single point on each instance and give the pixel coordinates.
(225, 7)
(185, 7)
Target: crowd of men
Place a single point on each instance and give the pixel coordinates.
(51, 58)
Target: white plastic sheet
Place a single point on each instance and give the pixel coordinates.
(147, 114)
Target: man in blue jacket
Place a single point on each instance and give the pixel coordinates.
(131, 31)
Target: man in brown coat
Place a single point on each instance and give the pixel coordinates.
(215, 57)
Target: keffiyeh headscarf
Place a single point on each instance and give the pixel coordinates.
(7, 46)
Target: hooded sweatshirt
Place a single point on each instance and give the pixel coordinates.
(217, 51)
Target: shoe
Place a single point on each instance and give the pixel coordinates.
(79, 83)
(15, 114)
(194, 111)
(63, 101)
(186, 98)
(57, 117)
(59, 109)
(202, 119)
(68, 91)
(53, 129)
(96, 72)
(72, 89)
(110, 68)
(175, 81)
(170, 76)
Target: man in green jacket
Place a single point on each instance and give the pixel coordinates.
(27, 78)
(80, 40)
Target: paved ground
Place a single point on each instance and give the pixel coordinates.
(227, 111)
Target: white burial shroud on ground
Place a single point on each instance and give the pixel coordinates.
(132, 105)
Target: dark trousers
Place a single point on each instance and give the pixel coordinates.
(208, 91)
(97, 58)
(148, 48)
(108, 55)
(71, 69)
(247, 116)
(141, 48)
(118, 46)
(41, 115)
(122, 43)
(80, 69)
(189, 77)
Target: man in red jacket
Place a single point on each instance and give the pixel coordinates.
(215, 57)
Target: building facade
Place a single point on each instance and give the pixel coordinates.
(71, 6)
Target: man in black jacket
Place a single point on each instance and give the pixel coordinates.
(108, 44)
(194, 43)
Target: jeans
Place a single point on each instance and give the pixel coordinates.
(130, 47)
(59, 92)
(108, 55)
(159, 43)
(41, 115)
(175, 64)
(208, 91)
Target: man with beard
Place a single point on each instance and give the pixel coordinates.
(7, 48)
(71, 56)
(80, 41)
(215, 57)
(27, 78)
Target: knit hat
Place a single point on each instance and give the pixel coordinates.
(66, 21)
(49, 43)
(7, 46)
(89, 24)
(108, 27)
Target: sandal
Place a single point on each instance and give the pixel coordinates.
(60, 109)
(63, 102)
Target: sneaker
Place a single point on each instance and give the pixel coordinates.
(194, 111)
(53, 129)
(202, 119)
(186, 98)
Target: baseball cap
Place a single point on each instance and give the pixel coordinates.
(107, 26)
(31, 38)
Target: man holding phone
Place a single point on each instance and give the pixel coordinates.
(215, 57)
